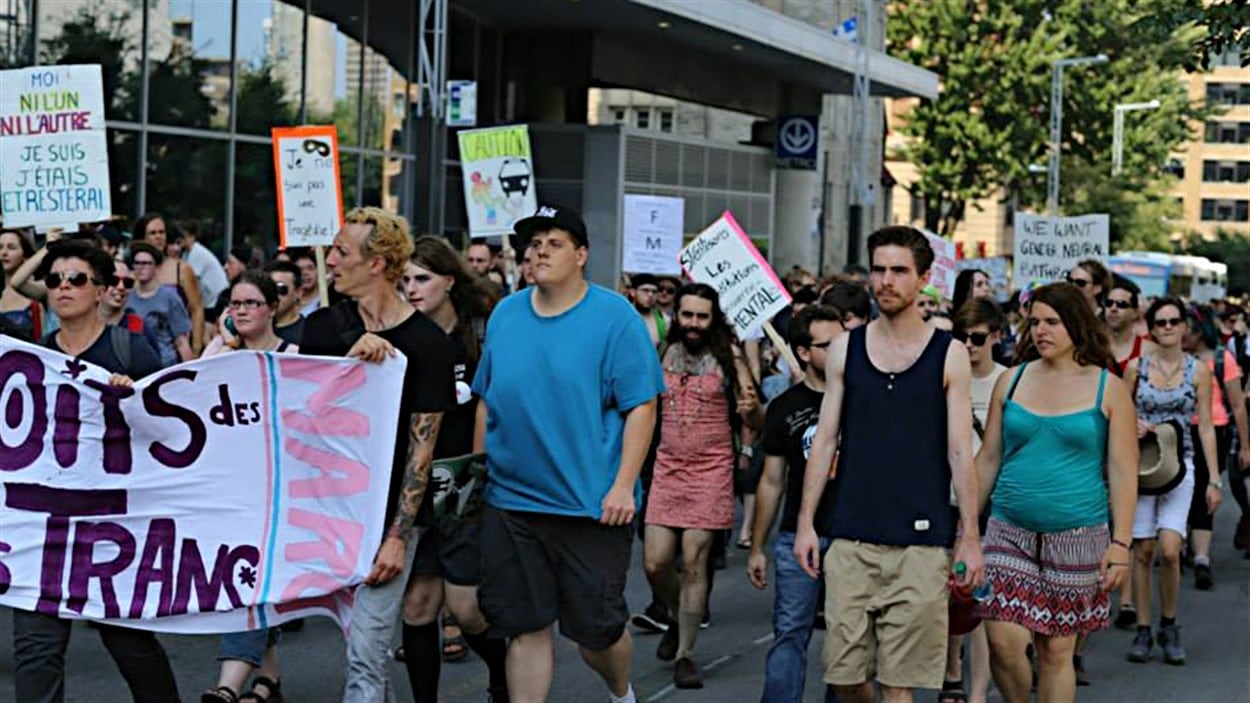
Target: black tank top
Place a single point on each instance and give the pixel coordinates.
(893, 481)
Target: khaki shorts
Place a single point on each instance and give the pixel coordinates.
(886, 613)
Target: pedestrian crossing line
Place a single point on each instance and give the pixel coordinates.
(710, 666)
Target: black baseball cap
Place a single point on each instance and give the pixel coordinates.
(551, 217)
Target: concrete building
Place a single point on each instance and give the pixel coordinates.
(374, 75)
(284, 34)
(1215, 187)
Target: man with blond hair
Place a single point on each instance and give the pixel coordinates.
(367, 258)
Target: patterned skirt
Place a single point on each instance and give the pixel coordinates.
(1047, 583)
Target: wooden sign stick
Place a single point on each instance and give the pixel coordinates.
(796, 371)
(323, 288)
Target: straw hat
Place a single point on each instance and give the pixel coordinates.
(1161, 465)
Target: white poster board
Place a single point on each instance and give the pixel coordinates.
(310, 196)
(652, 234)
(498, 171)
(942, 272)
(1048, 247)
(54, 166)
(723, 257)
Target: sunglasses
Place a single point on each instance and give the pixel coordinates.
(820, 345)
(978, 338)
(1122, 304)
(668, 289)
(126, 282)
(1169, 321)
(77, 279)
(1078, 282)
(282, 288)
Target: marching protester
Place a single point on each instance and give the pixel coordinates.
(568, 384)
(248, 323)
(479, 257)
(207, 269)
(1169, 386)
(288, 323)
(25, 314)
(709, 395)
(665, 297)
(166, 320)
(447, 565)
(1232, 443)
(788, 430)
(1054, 423)
(1123, 312)
(368, 259)
(970, 284)
(852, 300)
(156, 231)
(113, 306)
(77, 276)
(897, 392)
(643, 289)
(1094, 280)
(309, 295)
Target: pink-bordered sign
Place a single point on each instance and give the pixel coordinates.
(723, 257)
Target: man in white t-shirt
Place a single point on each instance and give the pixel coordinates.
(208, 270)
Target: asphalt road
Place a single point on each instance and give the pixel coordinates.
(1216, 631)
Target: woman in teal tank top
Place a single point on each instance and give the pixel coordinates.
(1056, 422)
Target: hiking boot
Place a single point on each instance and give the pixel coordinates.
(1170, 642)
(652, 620)
(1202, 577)
(667, 649)
(1139, 653)
(1127, 618)
(687, 674)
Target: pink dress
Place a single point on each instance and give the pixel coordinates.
(693, 484)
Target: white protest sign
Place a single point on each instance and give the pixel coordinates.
(942, 272)
(218, 495)
(652, 234)
(723, 257)
(1048, 247)
(498, 172)
(54, 167)
(310, 198)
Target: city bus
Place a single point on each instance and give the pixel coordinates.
(1194, 278)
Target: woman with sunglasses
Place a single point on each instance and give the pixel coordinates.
(1094, 280)
(1055, 425)
(1168, 385)
(26, 315)
(1228, 415)
(979, 324)
(247, 324)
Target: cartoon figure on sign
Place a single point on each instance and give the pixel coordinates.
(482, 196)
(514, 180)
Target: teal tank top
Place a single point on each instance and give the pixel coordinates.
(1051, 477)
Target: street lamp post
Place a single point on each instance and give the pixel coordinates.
(1117, 137)
(1056, 123)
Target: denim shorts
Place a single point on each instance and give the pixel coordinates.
(248, 646)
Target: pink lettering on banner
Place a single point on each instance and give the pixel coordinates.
(334, 382)
(338, 541)
(336, 475)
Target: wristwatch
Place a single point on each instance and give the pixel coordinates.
(1216, 484)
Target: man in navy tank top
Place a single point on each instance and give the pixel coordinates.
(898, 393)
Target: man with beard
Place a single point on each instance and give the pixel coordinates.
(643, 290)
(788, 431)
(709, 394)
(898, 391)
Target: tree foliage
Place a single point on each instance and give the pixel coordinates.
(1229, 247)
(1222, 26)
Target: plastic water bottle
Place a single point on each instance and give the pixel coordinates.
(962, 607)
(981, 594)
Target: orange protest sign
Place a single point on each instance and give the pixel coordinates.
(309, 192)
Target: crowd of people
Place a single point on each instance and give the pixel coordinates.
(960, 477)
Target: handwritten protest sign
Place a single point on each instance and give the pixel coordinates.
(310, 197)
(723, 257)
(498, 172)
(652, 230)
(942, 272)
(217, 495)
(54, 167)
(1048, 247)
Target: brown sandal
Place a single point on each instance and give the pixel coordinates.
(273, 691)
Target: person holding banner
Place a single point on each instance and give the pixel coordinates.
(152, 228)
(77, 276)
(367, 259)
(447, 565)
(568, 382)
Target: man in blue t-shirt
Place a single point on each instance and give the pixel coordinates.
(568, 382)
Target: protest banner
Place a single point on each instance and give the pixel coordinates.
(942, 272)
(54, 167)
(498, 173)
(310, 194)
(224, 494)
(652, 234)
(723, 257)
(998, 268)
(1048, 247)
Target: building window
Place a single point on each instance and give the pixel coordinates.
(666, 120)
(1226, 171)
(1229, 56)
(1228, 133)
(1225, 210)
(1230, 94)
(1175, 167)
(917, 207)
(642, 118)
(618, 115)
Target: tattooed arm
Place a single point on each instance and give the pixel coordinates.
(421, 437)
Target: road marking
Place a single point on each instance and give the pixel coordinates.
(761, 640)
(712, 665)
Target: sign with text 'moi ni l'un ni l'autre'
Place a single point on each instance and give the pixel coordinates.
(54, 167)
(723, 257)
(310, 195)
(1048, 247)
(219, 495)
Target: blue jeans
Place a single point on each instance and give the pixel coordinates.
(795, 596)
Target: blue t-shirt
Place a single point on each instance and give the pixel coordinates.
(557, 390)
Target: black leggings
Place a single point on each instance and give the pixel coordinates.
(1199, 518)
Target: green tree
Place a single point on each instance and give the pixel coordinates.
(1231, 248)
(1221, 26)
